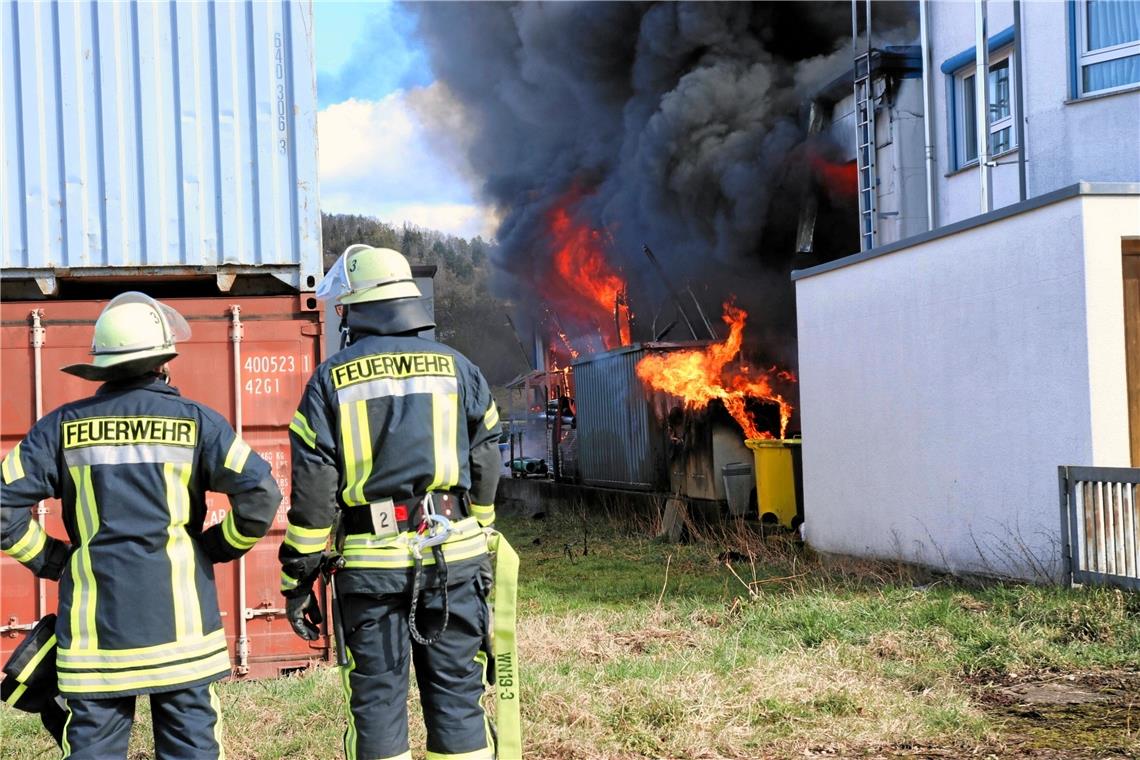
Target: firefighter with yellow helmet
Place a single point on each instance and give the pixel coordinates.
(138, 610)
(395, 462)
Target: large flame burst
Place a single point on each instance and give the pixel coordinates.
(587, 288)
(698, 376)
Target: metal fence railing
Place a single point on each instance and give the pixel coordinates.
(1100, 525)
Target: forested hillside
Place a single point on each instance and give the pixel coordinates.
(468, 317)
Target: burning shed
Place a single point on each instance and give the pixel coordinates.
(669, 417)
(622, 427)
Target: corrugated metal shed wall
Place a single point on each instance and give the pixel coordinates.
(171, 137)
(619, 439)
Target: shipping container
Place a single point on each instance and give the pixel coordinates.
(159, 139)
(248, 358)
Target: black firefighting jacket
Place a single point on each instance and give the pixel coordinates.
(389, 419)
(138, 609)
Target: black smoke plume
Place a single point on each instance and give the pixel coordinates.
(682, 123)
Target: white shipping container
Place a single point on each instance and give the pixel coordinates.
(167, 139)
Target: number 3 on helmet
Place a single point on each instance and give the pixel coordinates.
(364, 273)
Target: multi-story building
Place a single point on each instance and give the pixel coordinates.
(988, 331)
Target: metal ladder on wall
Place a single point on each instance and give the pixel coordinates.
(865, 131)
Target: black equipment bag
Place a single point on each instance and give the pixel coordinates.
(30, 682)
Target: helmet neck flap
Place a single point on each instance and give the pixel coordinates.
(398, 317)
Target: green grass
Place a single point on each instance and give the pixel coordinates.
(631, 648)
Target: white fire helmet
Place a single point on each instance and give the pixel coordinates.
(364, 273)
(134, 334)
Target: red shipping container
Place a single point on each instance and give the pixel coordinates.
(249, 358)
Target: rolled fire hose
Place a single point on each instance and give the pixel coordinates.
(507, 721)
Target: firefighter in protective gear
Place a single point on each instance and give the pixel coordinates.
(400, 433)
(138, 610)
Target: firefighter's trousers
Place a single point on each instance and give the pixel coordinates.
(450, 673)
(187, 726)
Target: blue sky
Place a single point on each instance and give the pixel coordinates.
(366, 51)
(386, 127)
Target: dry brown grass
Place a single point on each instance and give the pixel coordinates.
(600, 701)
(550, 640)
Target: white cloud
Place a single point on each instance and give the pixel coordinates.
(396, 159)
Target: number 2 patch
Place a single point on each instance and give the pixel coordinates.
(384, 518)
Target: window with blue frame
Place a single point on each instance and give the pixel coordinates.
(1106, 45)
(1001, 121)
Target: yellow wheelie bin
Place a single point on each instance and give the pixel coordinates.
(779, 479)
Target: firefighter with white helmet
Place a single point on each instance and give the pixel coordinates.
(395, 462)
(138, 610)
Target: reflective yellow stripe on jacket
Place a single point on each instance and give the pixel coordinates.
(364, 550)
(165, 675)
(484, 513)
(445, 432)
(180, 550)
(306, 540)
(288, 582)
(491, 417)
(300, 425)
(239, 452)
(29, 545)
(109, 671)
(356, 443)
(140, 657)
(84, 594)
(235, 537)
(13, 468)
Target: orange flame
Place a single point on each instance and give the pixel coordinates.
(698, 376)
(588, 287)
(574, 354)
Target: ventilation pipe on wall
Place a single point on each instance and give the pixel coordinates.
(1019, 99)
(982, 100)
(927, 114)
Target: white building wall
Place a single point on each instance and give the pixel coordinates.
(942, 385)
(1105, 221)
(1093, 139)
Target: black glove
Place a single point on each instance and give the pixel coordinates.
(215, 546)
(304, 615)
(55, 559)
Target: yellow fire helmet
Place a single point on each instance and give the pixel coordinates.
(364, 273)
(134, 334)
